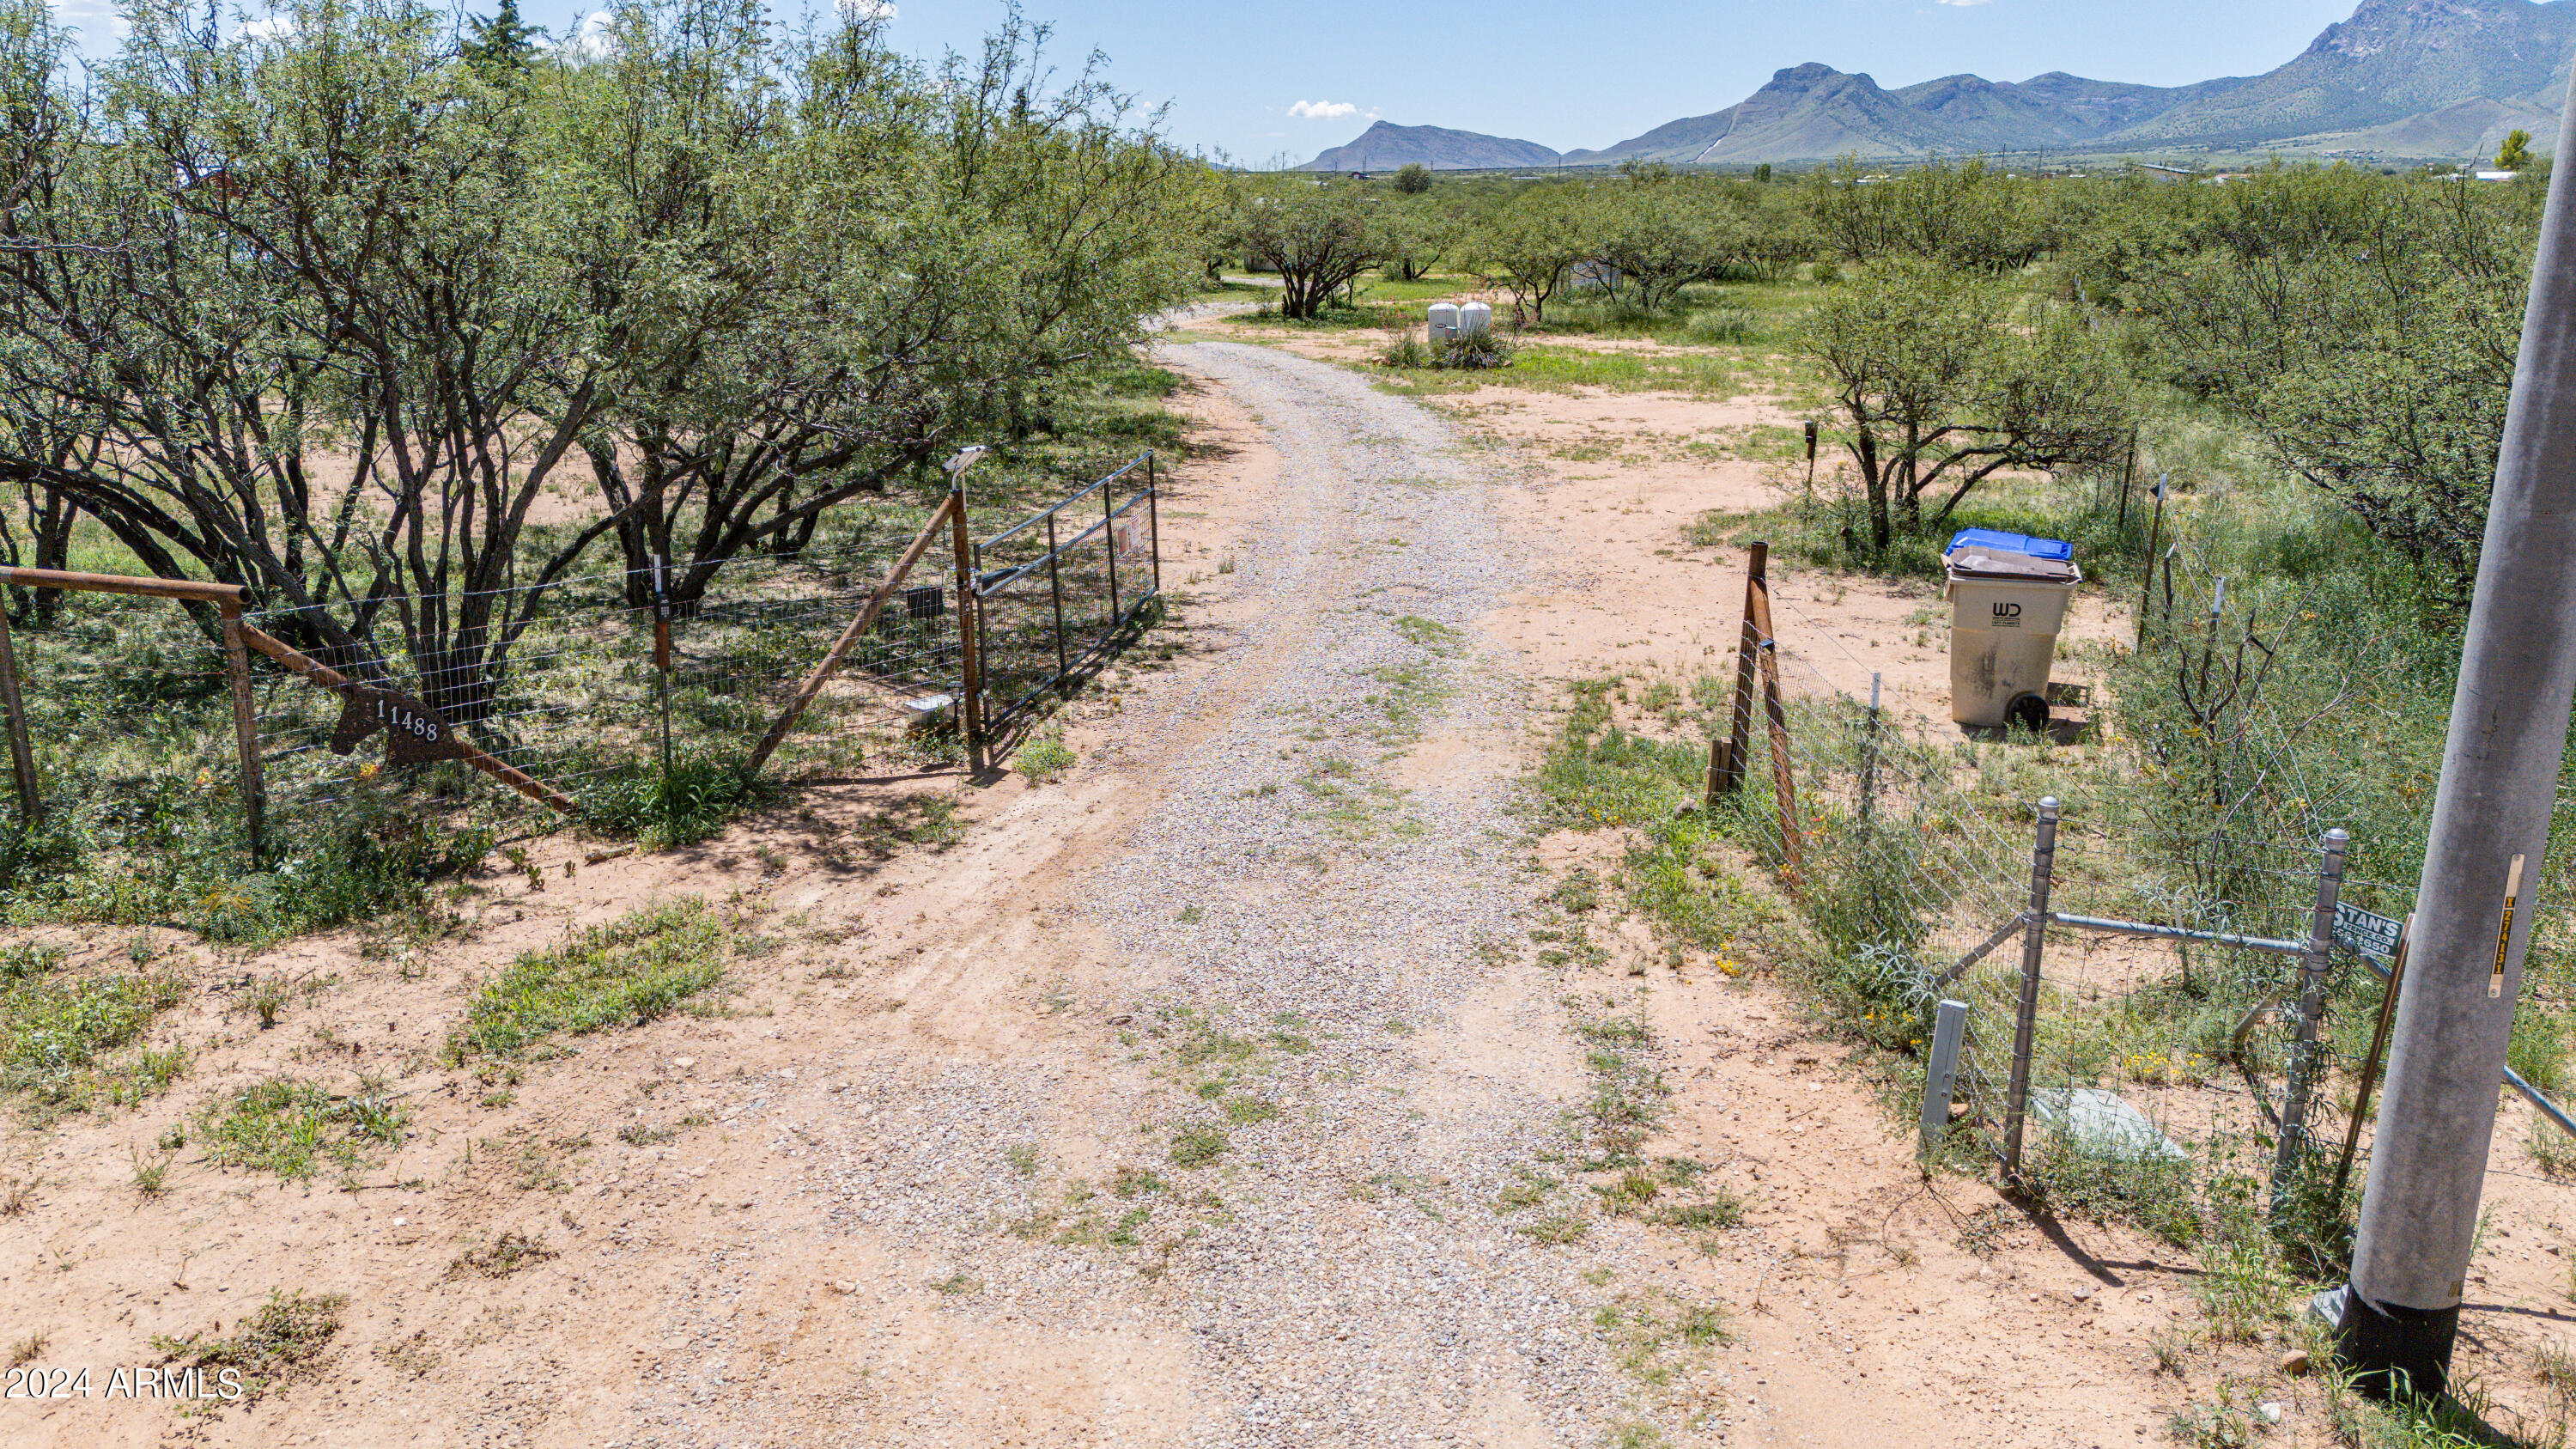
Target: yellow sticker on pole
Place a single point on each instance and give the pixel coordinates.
(2504, 933)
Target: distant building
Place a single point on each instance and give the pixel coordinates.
(2167, 173)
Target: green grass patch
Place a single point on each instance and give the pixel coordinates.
(1198, 1146)
(1044, 759)
(2147, 1189)
(294, 1128)
(64, 1043)
(700, 796)
(638, 968)
(1246, 1110)
(286, 1340)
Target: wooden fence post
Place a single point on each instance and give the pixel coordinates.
(22, 757)
(1775, 710)
(1727, 758)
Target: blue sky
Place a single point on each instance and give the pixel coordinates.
(1258, 80)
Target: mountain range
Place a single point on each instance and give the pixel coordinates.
(2399, 78)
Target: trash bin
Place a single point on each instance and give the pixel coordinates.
(2008, 594)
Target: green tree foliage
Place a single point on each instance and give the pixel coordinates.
(327, 313)
(1965, 215)
(2515, 153)
(954, 238)
(1419, 234)
(1415, 178)
(2365, 327)
(1527, 245)
(1655, 233)
(1317, 235)
(1941, 383)
(500, 45)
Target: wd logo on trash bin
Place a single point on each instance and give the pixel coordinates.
(2007, 616)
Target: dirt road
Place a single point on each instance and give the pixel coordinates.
(1297, 1033)
(1213, 1096)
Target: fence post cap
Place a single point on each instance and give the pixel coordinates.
(2339, 835)
(2047, 804)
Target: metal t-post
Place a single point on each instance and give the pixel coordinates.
(2290, 1161)
(2155, 535)
(2043, 864)
(1869, 751)
(2396, 1319)
(662, 669)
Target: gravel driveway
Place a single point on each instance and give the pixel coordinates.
(1297, 882)
(1279, 1189)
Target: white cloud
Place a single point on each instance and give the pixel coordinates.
(96, 20)
(588, 40)
(857, 11)
(1963, 4)
(270, 27)
(1323, 110)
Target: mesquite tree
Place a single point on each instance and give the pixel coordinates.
(1527, 245)
(827, 282)
(1941, 385)
(1317, 235)
(325, 312)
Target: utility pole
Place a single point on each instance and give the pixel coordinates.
(2396, 1319)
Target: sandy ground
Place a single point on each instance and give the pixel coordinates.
(838, 1246)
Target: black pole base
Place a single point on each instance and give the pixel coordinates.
(2392, 1352)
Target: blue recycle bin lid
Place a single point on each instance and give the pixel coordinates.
(1995, 540)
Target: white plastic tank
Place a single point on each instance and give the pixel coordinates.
(1475, 320)
(1444, 321)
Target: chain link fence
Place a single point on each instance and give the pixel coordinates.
(2156, 1011)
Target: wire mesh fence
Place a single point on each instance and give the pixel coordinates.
(1911, 861)
(592, 692)
(567, 682)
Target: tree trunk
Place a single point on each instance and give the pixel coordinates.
(1866, 448)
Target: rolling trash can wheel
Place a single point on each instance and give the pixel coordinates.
(2029, 712)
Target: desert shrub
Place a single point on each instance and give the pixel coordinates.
(292, 1127)
(286, 1340)
(1726, 326)
(62, 1041)
(2150, 1190)
(2538, 1049)
(1481, 350)
(696, 799)
(1045, 758)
